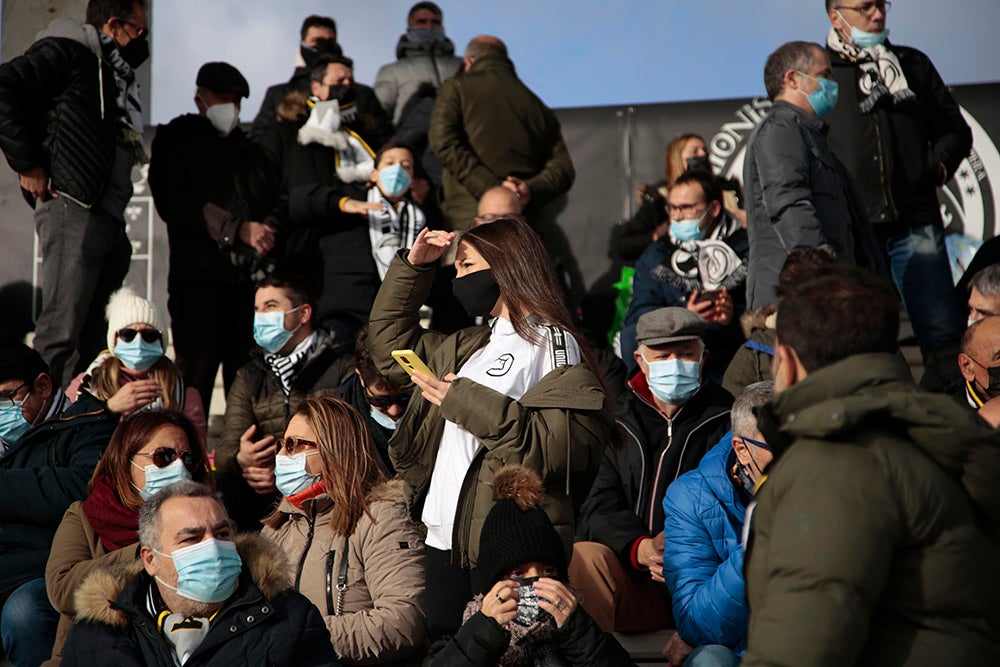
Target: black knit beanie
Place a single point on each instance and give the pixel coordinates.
(517, 530)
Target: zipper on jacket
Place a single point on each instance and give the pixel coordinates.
(890, 207)
(305, 550)
(466, 504)
(330, 557)
(642, 467)
(659, 466)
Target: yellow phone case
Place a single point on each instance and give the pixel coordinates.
(410, 362)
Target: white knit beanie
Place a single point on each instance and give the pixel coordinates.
(125, 307)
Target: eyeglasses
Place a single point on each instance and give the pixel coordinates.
(758, 443)
(869, 8)
(164, 456)
(685, 209)
(292, 446)
(141, 31)
(148, 335)
(8, 402)
(386, 402)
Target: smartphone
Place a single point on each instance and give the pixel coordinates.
(709, 295)
(410, 362)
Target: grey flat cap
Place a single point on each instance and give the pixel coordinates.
(669, 325)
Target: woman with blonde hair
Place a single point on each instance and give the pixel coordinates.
(347, 533)
(134, 373)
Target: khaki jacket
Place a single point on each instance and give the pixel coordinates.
(874, 538)
(558, 428)
(76, 552)
(375, 609)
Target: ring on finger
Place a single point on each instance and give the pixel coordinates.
(500, 598)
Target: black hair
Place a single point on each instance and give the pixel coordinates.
(316, 21)
(100, 12)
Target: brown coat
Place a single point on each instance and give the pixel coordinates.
(76, 552)
(379, 616)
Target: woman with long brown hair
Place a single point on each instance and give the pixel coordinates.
(149, 450)
(356, 555)
(134, 373)
(522, 389)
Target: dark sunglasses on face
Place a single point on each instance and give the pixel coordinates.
(148, 335)
(164, 456)
(386, 402)
(292, 446)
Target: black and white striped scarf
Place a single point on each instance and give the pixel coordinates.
(129, 107)
(390, 229)
(881, 73)
(287, 367)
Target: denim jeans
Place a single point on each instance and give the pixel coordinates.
(29, 625)
(919, 263)
(712, 655)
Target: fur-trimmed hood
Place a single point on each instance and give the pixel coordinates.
(97, 596)
(293, 108)
(764, 317)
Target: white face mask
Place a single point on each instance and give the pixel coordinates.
(223, 117)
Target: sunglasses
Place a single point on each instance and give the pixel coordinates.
(293, 446)
(386, 402)
(148, 335)
(164, 456)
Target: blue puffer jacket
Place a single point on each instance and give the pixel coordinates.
(702, 556)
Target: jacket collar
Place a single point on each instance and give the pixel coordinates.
(113, 595)
(810, 120)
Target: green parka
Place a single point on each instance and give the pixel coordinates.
(874, 539)
(487, 125)
(558, 429)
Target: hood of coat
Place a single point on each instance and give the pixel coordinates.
(408, 49)
(876, 391)
(65, 28)
(262, 559)
(765, 317)
(293, 108)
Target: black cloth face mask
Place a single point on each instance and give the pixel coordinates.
(478, 292)
(136, 52)
(699, 164)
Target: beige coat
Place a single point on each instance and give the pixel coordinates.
(378, 616)
(76, 552)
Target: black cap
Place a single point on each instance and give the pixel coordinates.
(20, 362)
(222, 77)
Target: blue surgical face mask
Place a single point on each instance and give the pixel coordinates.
(158, 478)
(688, 230)
(12, 422)
(137, 354)
(865, 40)
(394, 180)
(206, 572)
(382, 419)
(269, 329)
(824, 98)
(674, 380)
(290, 474)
